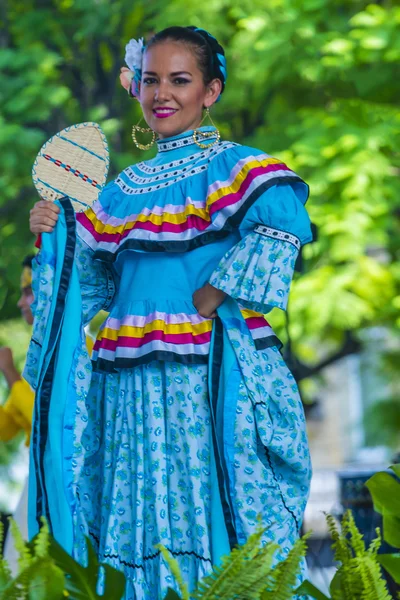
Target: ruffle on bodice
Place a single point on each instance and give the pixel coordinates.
(138, 332)
(183, 199)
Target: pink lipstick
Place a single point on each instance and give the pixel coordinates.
(163, 112)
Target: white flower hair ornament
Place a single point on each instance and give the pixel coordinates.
(134, 58)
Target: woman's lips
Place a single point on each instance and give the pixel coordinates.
(163, 113)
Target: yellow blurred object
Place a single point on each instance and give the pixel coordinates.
(26, 277)
(16, 413)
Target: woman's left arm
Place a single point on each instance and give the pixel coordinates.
(258, 270)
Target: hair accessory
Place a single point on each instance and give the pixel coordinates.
(134, 58)
(219, 60)
(203, 135)
(136, 128)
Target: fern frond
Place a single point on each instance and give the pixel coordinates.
(351, 533)
(18, 588)
(373, 585)
(359, 577)
(376, 543)
(346, 583)
(253, 578)
(42, 540)
(5, 572)
(25, 556)
(287, 572)
(13, 592)
(175, 570)
(340, 547)
(231, 566)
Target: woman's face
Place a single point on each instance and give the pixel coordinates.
(172, 90)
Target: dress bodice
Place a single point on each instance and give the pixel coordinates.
(164, 225)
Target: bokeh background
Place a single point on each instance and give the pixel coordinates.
(314, 82)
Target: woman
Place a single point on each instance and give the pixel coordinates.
(189, 424)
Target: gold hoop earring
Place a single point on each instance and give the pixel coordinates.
(136, 128)
(206, 134)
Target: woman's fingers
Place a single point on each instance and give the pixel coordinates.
(43, 217)
(47, 206)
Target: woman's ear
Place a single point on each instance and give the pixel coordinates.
(214, 89)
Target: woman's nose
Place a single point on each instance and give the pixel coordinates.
(163, 92)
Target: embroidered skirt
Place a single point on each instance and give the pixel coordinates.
(146, 476)
(149, 471)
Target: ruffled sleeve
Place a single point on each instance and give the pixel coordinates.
(97, 281)
(258, 270)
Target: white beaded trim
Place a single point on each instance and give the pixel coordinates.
(181, 175)
(142, 166)
(180, 143)
(277, 234)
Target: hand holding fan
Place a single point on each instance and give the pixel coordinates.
(73, 163)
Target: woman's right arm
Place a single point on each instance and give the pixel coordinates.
(98, 282)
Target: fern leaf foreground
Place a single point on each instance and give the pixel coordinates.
(5, 573)
(286, 574)
(359, 576)
(175, 570)
(224, 580)
(25, 556)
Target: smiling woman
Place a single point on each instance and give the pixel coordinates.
(187, 427)
(172, 91)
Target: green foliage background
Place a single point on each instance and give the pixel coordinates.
(315, 82)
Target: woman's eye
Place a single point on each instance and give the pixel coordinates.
(181, 80)
(149, 80)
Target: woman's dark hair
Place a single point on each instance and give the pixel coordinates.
(209, 53)
(27, 262)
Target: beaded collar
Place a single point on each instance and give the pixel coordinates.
(183, 140)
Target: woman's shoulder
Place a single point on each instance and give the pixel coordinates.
(242, 159)
(233, 153)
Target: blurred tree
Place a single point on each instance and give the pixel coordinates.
(315, 82)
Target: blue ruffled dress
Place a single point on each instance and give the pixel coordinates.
(181, 430)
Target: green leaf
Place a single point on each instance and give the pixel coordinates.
(391, 564)
(308, 588)
(396, 468)
(81, 582)
(48, 582)
(391, 529)
(172, 595)
(385, 492)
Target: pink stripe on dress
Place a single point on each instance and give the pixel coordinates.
(192, 222)
(255, 322)
(172, 338)
(235, 197)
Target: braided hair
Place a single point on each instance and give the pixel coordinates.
(209, 53)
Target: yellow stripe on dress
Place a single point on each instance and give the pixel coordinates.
(158, 325)
(179, 218)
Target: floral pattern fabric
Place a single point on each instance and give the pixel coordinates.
(145, 478)
(257, 272)
(146, 473)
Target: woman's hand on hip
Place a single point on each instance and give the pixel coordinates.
(43, 217)
(207, 299)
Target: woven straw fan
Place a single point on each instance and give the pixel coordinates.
(73, 163)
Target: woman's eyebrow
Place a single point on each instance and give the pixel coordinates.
(172, 74)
